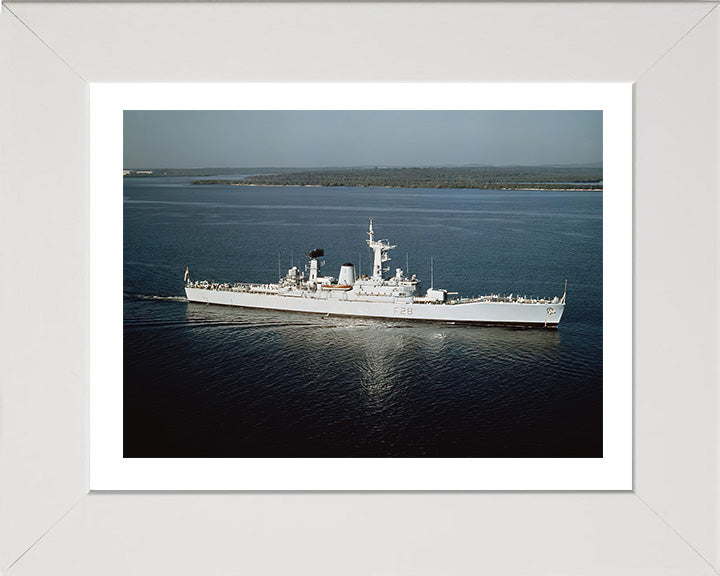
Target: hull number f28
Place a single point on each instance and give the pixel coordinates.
(403, 310)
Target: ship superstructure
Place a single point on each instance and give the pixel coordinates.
(376, 296)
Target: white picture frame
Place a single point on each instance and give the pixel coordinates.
(668, 523)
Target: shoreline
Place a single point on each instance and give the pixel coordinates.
(506, 189)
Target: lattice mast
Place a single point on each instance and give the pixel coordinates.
(380, 249)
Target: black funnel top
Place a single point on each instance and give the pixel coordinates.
(316, 253)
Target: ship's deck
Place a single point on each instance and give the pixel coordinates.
(276, 290)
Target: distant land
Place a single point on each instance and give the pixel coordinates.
(480, 177)
(199, 172)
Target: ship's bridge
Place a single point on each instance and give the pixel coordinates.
(396, 287)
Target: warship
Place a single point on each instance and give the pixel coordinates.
(375, 296)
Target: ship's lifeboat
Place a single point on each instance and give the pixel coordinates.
(341, 287)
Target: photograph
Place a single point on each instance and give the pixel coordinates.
(362, 284)
(278, 276)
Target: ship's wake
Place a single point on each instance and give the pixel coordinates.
(203, 324)
(160, 297)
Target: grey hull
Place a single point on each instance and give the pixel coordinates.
(544, 315)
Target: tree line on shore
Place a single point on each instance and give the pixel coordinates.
(506, 177)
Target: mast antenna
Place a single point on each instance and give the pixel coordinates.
(380, 249)
(432, 273)
(279, 273)
(407, 264)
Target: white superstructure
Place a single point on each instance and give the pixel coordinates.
(376, 296)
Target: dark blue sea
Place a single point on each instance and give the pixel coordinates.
(211, 381)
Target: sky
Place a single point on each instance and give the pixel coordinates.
(276, 138)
